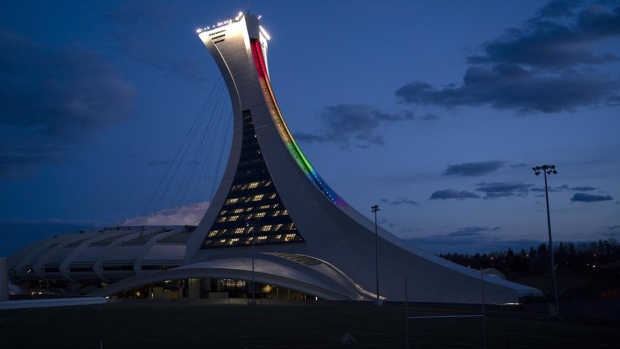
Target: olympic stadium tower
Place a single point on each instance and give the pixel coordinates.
(272, 201)
(273, 221)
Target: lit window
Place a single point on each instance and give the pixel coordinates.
(265, 228)
(289, 237)
(232, 241)
(278, 227)
(259, 214)
(264, 207)
(258, 197)
(232, 201)
(212, 233)
(261, 238)
(273, 196)
(221, 219)
(233, 218)
(239, 230)
(253, 185)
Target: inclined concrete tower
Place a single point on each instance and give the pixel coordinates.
(271, 199)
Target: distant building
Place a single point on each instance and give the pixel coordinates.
(273, 222)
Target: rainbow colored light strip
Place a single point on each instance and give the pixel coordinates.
(278, 120)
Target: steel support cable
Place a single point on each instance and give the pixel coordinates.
(225, 113)
(170, 166)
(178, 158)
(194, 131)
(206, 142)
(207, 149)
(215, 145)
(225, 149)
(187, 178)
(157, 190)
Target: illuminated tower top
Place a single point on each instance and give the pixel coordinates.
(257, 37)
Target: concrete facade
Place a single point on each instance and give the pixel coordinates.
(273, 219)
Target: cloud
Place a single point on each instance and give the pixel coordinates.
(404, 201)
(526, 92)
(470, 244)
(309, 138)
(429, 117)
(134, 24)
(544, 66)
(519, 165)
(345, 124)
(505, 189)
(470, 231)
(541, 189)
(52, 100)
(582, 188)
(554, 41)
(453, 194)
(613, 101)
(583, 197)
(473, 168)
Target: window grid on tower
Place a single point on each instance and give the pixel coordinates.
(253, 212)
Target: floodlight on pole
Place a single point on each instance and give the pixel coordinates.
(550, 169)
(378, 301)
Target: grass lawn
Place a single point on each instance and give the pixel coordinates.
(149, 324)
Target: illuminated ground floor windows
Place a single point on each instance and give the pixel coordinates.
(212, 289)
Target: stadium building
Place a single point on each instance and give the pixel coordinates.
(273, 223)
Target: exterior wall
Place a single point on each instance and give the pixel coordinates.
(332, 230)
(338, 240)
(83, 257)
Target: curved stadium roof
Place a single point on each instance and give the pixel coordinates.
(134, 247)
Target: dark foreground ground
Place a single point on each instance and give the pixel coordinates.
(150, 324)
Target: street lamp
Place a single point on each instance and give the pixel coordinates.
(550, 169)
(253, 227)
(378, 301)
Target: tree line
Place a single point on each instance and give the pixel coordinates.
(574, 255)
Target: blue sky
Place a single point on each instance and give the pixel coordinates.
(436, 111)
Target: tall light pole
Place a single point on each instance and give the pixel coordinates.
(253, 227)
(378, 301)
(550, 169)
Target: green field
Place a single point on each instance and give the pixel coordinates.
(150, 324)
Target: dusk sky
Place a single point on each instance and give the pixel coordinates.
(434, 110)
